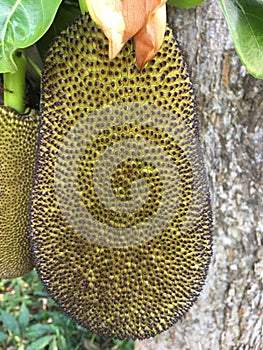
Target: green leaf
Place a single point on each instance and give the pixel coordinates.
(22, 23)
(10, 322)
(40, 343)
(38, 330)
(3, 336)
(62, 342)
(53, 345)
(245, 20)
(23, 317)
(184, 3)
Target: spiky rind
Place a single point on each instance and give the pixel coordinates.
(122, 291)
(18, 140)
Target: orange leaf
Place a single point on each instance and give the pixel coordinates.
(145, 20)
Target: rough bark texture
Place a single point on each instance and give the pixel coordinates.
(228, 314)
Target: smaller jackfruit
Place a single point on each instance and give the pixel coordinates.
(18, 137)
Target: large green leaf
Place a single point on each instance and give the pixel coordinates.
(245, 20)
(184, 3)
(22, 23)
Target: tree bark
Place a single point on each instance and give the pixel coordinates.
(228, 314)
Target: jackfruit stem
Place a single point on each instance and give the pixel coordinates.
(83, 6)
(15, 84)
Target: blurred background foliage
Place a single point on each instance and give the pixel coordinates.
(30, 320)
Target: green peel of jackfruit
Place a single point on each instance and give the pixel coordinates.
(18, 140)
(121, 217)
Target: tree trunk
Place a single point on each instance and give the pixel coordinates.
(228, 314)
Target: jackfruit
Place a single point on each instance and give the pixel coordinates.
(18, 141)
(121, 217)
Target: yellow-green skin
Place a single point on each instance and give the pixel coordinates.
(18, 141)
(134, 291)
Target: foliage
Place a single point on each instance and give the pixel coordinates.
(22, 23)
(184, 3)
(30, 320)
(245, 20)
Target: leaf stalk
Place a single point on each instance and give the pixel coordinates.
(15, 84)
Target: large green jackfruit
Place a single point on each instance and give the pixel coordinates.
(18, 141)
(121, 219)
